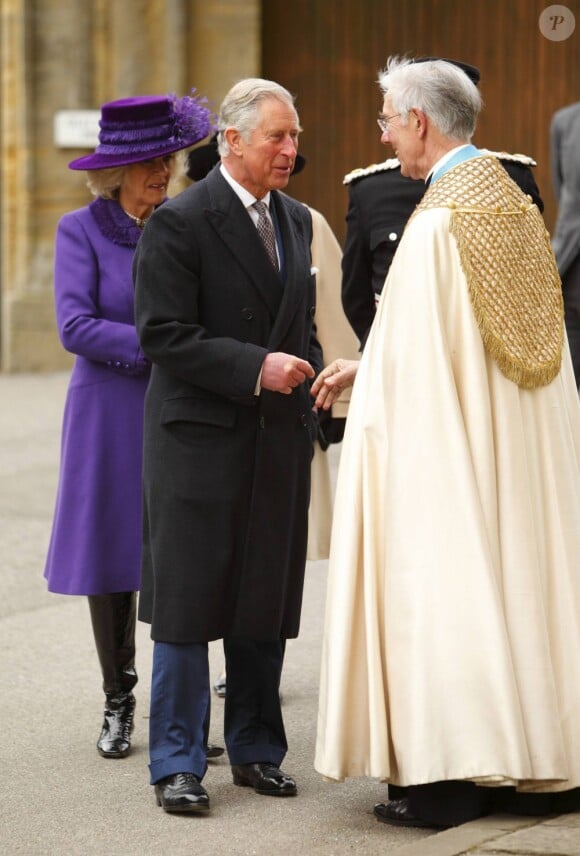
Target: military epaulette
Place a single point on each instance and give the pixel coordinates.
(523, 159)
(361, 172)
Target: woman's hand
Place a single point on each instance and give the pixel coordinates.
(332, 381)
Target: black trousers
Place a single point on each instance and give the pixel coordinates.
(449, 803)
(455, 802)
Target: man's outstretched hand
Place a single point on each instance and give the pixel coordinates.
(282, 372)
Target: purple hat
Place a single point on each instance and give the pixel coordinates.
(146, 127)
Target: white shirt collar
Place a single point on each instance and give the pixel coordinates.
(246, 198)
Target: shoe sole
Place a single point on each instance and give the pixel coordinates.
(266, 793)
(417, 823)
(291, 793)
(191, 808)
(114, 755)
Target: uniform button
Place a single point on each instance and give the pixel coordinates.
(117, 365)
(393, 236)
(247, 314)
(109, 362)
(312, 310)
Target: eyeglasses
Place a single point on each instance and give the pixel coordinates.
(383, 122)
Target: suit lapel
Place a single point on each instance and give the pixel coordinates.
(235, 228)
(290, 228)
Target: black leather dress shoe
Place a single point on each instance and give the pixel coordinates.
(397, 813)
(266, 779)
(213, 751)
(181, 792)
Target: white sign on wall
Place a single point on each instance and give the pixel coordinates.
(76, 129)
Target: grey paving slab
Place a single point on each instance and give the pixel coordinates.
(542, 839)
(467, 838)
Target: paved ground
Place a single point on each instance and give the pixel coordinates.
(59, 798)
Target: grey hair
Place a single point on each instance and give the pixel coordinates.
(106, 183)
(439, 89)
(240, 107)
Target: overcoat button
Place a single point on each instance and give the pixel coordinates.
(393, 236)
(117, 365)
(303, 419)
(262, 422)
(247, 314)
(312, 311)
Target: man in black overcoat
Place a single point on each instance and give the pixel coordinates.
(225, 297)
(380, 201)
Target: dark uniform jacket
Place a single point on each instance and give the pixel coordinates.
(380, 201)
(226, 472)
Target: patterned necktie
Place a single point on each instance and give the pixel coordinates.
(266, 232)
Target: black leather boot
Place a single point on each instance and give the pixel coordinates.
(115, 738)
(113, 618)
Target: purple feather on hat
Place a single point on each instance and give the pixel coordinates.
(192, 117)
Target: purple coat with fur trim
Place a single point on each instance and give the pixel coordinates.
(95, 546)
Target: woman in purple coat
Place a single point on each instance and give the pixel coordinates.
(95, 546)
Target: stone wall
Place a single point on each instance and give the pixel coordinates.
(72, 55)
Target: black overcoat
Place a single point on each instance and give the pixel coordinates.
(226, 473)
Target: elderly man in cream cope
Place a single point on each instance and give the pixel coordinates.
(451, 660)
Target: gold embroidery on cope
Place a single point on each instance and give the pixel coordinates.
(511, 273)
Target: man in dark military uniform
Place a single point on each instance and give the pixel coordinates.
(380, 201)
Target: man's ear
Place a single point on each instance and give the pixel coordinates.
(233, 139)
(418, 121)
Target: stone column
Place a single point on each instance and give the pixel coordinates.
(224, 44)
(15, 162)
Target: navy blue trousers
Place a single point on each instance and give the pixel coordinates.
(180, 706)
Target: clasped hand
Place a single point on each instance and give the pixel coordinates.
(332, 381)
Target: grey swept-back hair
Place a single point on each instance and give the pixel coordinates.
(439, 89)
(240, 107)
